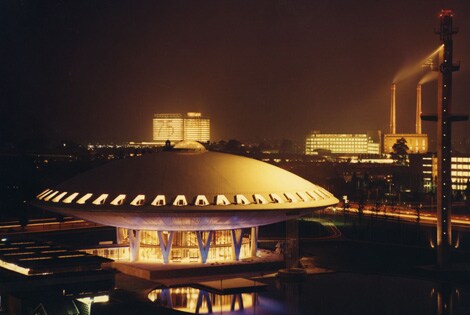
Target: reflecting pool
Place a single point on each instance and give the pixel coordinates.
(334, 293)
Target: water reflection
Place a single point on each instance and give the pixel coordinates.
(328, 294)
(197, 301)
(339, 293)
(447, 298)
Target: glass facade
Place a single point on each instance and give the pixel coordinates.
(184, 248)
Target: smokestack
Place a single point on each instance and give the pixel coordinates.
(418, 109)
(393, 105)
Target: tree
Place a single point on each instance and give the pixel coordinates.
(286, 147)
(234, 146)
(400, 151)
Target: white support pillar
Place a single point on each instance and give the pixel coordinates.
(204, 246)
(165, 245)
(134, 244)
(254, 241)
(237, 238)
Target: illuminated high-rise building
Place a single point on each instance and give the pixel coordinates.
(197, 128)
(175, 127)
(167, 127)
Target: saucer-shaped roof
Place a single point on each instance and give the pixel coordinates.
(141, 192)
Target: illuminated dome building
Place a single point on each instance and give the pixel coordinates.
(186, 204)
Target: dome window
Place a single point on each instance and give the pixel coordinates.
(43, 194)
(275, 198)
(201, 200)
(60, 196)
(119, 200)
(138, 201)
(291, 198)
(259, 199)
(325, 193)
(321, 193)
(241, 200)
(314, 195)
(51, 195)
(221, 200)
(70, 198)
(180, 200)
(100, 200)
(159, 201)
(303, 196)
(82, 200)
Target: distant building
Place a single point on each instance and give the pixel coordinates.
(427, 165)
(340, 143)
(417, 143)
(196, 128)
(176, 127)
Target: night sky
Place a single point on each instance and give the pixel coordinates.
(97, 71)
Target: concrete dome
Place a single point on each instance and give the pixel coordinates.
(185, 190)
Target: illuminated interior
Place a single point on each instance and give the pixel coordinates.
(184, 249)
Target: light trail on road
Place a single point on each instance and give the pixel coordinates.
(407, 215)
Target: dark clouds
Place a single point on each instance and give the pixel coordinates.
(98, 70)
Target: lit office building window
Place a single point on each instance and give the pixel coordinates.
(197, 128)
(175, 127)
(341, 144)
(460, 173)
(167, 127)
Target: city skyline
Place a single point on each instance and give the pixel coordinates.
(94, 71)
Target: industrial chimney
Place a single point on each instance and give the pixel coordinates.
(418, 109)
(393, 109)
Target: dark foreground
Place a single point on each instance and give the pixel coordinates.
(378, 268)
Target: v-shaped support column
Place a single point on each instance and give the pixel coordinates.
(165, 245)
(237, 298)
(204, 246)
(134, 244)
(237, 238)
(203, 295)
(166, 298)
